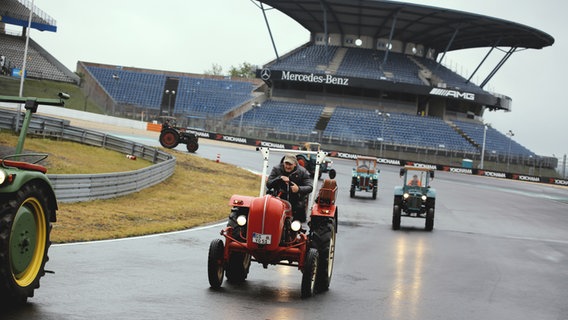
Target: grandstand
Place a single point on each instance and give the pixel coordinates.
(371, 75)
(164, 93)
(40, 63)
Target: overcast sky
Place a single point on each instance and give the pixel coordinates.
(191, 36)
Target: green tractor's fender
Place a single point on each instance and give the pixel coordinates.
(431, 193)
(398, 191)
(24, 177)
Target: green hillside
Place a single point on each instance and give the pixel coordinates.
(48, 89)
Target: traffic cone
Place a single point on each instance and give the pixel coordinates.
(218, 158)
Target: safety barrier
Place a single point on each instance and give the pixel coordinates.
(84, 187)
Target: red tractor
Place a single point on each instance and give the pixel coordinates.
(262, 229)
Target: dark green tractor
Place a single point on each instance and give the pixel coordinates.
(27, 210)
(415, 198)
(365, 176)
(308, 161)
(171, 135)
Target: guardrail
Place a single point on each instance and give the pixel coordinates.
(84, 187)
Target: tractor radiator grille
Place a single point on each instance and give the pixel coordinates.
(414, 202)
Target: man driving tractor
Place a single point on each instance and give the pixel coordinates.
(293, 182)
(415, 181)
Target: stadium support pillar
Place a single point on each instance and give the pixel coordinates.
(269, 32)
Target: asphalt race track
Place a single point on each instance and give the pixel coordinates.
(499, 250)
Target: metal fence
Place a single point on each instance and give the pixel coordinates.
(84, 187)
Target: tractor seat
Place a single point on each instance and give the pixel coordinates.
(327, 192)
(365, 169)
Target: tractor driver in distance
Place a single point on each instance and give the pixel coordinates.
(415, 182)
(294, 181)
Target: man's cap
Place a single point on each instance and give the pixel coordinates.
(290, 158)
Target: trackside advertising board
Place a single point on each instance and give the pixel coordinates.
(385, 161)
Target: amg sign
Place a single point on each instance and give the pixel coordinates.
(453, 94)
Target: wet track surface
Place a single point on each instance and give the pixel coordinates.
(499, 250)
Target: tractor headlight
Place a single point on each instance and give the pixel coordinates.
(296, 225)
(242, 220)
(424, 197)
(2, 176)
(405, 195)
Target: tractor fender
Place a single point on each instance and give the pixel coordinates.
(398, 191)
(431, 193)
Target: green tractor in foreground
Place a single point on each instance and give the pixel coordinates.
(27, 210)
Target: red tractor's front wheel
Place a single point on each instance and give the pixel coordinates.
(215, 263)
(169, 138)
(24, 242)
(192, 146)
(309, 273)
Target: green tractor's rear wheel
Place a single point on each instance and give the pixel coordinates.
(169, 138)
(24, 242)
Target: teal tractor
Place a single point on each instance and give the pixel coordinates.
(27, 209)
(365, 176)
(415, 198)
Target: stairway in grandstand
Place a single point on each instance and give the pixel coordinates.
(463, 134)
(336, 61)
(324, 118)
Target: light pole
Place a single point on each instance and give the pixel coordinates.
(384, 116)
(115, 77)
(483, 146)
(510, 134)
(255, 105)
(170, 93)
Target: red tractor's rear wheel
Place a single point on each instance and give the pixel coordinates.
(323, 239)
(169, 138)
(215, 263)
(238, 267)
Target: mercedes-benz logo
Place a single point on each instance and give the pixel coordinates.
(265, 74)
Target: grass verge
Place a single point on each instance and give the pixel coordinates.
(197, 193)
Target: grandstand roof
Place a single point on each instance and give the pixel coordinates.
(17, 12)
(438, 28)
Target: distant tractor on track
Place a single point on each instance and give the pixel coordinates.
(308, 161)
(365, 176)
(171, 135)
